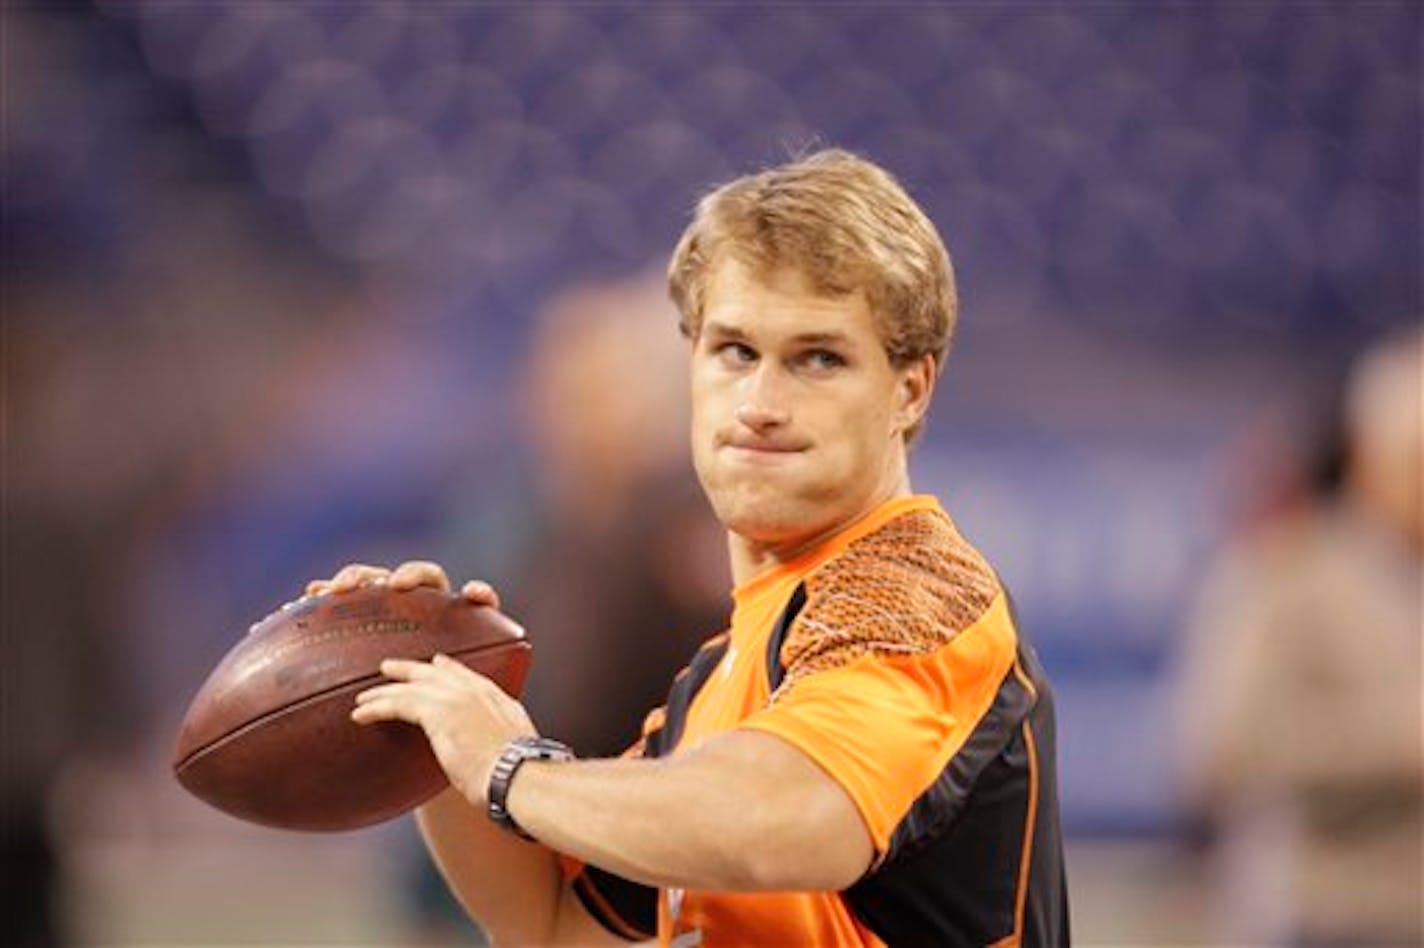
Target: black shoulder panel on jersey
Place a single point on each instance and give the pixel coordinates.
(626, 909)
(1046, 919)
(630, 909)
(954, 873)
(774, 670)
(684, 688)
(947, 797)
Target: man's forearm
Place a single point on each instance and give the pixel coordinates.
(512, 887)
(744, 812)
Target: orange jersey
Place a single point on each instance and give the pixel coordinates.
(888, 655)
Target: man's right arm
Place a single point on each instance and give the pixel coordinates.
(513, 887)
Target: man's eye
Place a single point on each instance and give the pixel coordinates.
(736, 352)
(824, 359)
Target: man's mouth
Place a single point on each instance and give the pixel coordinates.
(754, 450)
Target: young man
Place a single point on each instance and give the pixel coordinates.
(867, 755)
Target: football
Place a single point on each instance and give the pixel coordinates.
(268, 737)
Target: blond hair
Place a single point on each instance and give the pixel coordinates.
(847, 225)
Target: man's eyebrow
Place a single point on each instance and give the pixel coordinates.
(821, 338)
(726, 332)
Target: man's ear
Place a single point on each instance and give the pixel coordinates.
(913, 392)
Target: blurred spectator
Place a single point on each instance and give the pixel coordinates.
(621, 573)
(628, 561)
(1301, 701)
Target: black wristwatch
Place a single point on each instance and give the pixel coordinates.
(515, 753)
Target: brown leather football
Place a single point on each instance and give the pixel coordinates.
(269, 738)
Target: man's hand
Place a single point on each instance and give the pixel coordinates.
(408, 575)
(466, 717)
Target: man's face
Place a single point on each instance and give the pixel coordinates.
(797, 413)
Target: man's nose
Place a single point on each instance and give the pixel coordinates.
(763, 403)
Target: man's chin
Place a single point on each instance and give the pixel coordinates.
(771, 521)
(767, 510)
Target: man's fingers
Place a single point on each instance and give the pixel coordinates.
(405, 669)
(455, 671)
(406, 576)
(412, 685)
(392, 701)
(415, 573)
(480, 593)
(380, 692)
(384, 709)
(353, 575)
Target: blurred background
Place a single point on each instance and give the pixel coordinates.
(288, 285)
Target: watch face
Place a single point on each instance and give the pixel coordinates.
(515, 753)
(545, 748)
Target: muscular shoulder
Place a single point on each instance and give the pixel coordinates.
(908, 588)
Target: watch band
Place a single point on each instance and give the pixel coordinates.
(515, 753)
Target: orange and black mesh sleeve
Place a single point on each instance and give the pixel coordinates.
(897, 655)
